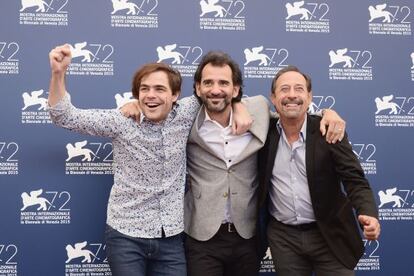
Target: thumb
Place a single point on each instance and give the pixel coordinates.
(363, 219)
(234, 129)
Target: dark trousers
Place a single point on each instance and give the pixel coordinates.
(226, 253)
(302, 251)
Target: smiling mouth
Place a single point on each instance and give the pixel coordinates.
(292, 104)
(152, 105)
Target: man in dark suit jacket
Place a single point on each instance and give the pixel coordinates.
(311, 189)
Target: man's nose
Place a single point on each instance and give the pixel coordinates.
(151, 93)
(216, 88)
(292, 93)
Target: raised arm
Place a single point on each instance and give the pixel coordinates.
(106, 123)
(60, 58)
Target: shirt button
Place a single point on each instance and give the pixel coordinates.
(225, 195)
(226, 143)
(229, 161)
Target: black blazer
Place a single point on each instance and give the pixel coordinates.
(327, 166)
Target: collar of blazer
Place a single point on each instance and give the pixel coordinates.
(258, 128)
(257, 141)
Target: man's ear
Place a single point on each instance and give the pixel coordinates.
(175, 96)
(236, 91)
(197, 86)
(272, 97)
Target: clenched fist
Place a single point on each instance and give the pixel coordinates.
(60, 58)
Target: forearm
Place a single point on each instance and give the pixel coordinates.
(57, 88)
(352, 176)
(97, 122)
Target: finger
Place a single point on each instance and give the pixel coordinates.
(373, 235)
(322, 127)
(363, 219)
(341, 136)
(370, 228)
(336, 135)
(57, 55)
(137, 117)
(339, 131)
(330, 132)
(234, 129)
(63, 50)
(66, 50)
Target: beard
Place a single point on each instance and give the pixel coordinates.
(216, 104)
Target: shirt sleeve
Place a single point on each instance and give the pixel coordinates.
(97, 122)
(188, 107)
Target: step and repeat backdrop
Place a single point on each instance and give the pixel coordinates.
(55, 183)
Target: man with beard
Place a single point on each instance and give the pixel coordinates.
(311, 189)
(221, 203)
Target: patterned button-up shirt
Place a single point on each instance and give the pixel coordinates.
(149, 164)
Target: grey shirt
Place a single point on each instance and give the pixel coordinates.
(289, 192)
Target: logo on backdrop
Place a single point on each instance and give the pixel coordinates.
(267, 265)
(412, 67)
(84, 256)
(34, 108)
(184, 58)
(264, 62)
(134, 14)
(396, 204)
(349, 64)
(321, 102)
(9, 61)
(9, 163)
(44, 13)
(91, 59)
(371, 259)
(85, 158)
(389, 20)
(309, 17)
(366, 156)
(222, 15)
(394, 111)
(45, 207)
(8, 259)
(121, 99)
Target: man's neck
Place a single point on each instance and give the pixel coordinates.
(291, 128)
(223, 118)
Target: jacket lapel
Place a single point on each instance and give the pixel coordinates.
(273, 137)
(195, 136)
(311, 132)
